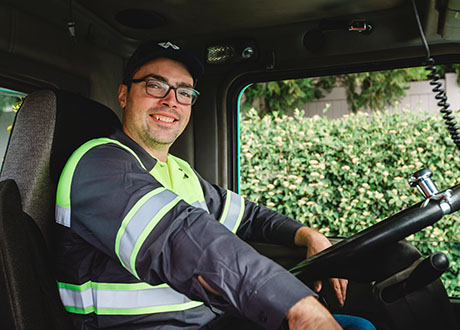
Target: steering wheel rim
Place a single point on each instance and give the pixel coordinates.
(352, 257)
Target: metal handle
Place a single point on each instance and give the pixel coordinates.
(422, 180)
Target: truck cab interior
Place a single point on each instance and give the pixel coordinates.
(68, 56)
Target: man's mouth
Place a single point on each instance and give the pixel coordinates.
(163, 118)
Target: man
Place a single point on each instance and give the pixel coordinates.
(145, 240)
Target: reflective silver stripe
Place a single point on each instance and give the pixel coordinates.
(141, 298)
(122, 298)
(201, 205)
(80, 299)
(145, 214)
(233, 211)
(204, 206)
(62, 215)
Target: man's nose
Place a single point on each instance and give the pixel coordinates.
(170, 98)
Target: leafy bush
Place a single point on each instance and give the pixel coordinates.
(341, 176)
(286, 94)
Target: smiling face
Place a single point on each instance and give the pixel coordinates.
(155, 123)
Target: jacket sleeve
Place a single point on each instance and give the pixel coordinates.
(258, 223)
(119, 208)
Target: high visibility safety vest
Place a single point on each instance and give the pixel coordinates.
(179, 182)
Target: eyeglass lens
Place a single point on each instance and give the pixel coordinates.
(184, 95)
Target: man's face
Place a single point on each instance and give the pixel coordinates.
(155, 123)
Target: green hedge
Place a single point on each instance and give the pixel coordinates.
(341, 176)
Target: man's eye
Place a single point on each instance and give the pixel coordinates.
(154, 85)
(186, 93)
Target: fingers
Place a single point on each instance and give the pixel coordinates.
(344, 285)
(340, 288)
(317, 286)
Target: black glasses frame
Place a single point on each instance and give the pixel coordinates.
(146, 79)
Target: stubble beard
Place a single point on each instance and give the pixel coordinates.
(153, 138)
(155, 143)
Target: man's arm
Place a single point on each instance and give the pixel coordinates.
(316, 242)
(306, 314)
(120, 209)
(261, 224)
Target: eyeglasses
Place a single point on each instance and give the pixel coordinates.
(158, 88)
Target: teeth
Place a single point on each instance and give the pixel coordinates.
(165, 119)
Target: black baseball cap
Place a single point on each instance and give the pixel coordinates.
(152, 50)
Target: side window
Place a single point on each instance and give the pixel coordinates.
(335, 153)
(10, 101)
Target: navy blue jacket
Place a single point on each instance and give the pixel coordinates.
(108, 183)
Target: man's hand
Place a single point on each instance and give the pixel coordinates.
(308, 313)
(316, 242)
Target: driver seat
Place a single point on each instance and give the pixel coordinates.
(49, 126)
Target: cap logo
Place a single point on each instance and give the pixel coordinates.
(167, 45)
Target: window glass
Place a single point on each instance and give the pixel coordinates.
(335, 152)
(10, 102)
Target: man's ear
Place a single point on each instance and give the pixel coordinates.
(122, 95)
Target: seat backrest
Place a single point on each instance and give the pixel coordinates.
(29, 298)
(49, 126)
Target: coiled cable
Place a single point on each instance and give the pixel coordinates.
(441, 96)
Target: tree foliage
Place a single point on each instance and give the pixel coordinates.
(342, 176)
(7, 100)
(286, 94)
(365, 90)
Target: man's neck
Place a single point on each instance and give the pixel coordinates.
(158, 151)
(160, 156)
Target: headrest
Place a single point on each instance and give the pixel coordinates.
(78, 120)
(49, 127)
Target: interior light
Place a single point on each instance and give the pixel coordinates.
(235, 51)
(219, 54)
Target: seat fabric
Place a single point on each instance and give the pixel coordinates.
(49, 126)
(29, 298)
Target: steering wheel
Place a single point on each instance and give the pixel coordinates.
(356, 257)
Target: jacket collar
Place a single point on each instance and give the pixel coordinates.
(147, 160)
